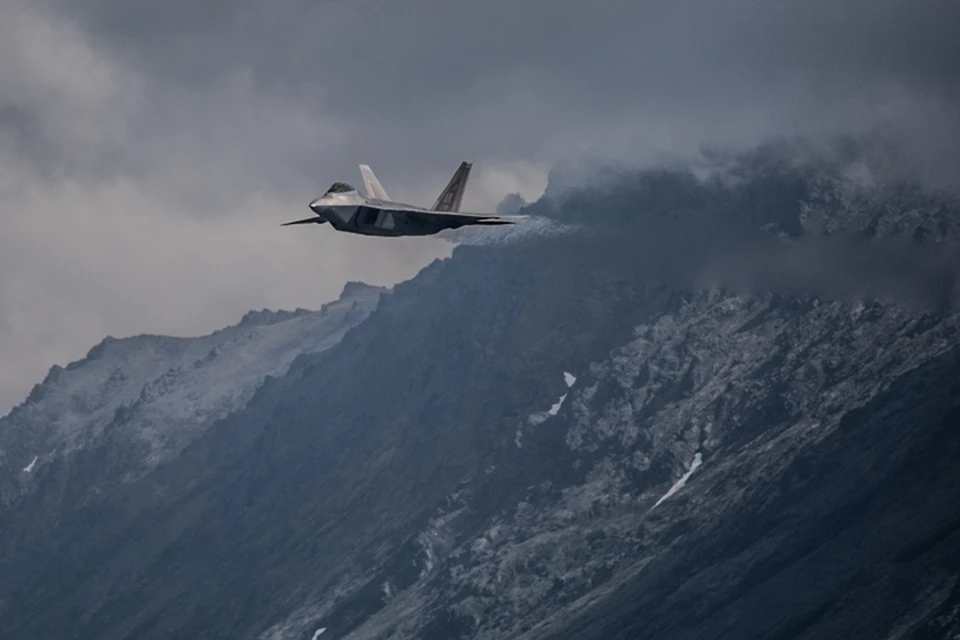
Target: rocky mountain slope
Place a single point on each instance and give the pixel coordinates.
(627, 430)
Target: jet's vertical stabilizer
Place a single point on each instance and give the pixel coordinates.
(452, 195)
(373, 186)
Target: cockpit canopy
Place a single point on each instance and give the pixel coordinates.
(339, 187)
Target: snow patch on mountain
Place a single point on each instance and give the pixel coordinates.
(29, 467)
(541, 416)
(679, 484)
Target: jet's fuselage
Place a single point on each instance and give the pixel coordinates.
(354, 213)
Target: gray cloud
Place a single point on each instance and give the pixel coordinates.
(147, 152)
(848, 268)
(536, 80)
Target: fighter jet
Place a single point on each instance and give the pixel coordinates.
(375, 214)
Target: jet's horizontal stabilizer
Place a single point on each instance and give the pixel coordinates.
(313, 220)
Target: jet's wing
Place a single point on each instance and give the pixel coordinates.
(374, 188)
(452, 195)
(313, 220)
(456, 219)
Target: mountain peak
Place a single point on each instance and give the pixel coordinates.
(355, 289)
(264, 317)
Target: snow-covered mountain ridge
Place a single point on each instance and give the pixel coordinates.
(162, 392)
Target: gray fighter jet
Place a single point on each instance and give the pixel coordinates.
(375, 214)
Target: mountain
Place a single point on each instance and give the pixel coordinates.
(145, 398)
(669, 421)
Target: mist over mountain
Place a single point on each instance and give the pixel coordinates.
(722, 404)
(512, 203)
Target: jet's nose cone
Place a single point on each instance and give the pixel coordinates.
(316, 202)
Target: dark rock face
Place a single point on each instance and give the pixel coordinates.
(586, 435)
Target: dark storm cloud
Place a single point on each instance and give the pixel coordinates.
(847, 268)
(423, 49)
(536, 80)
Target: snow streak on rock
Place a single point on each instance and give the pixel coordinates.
(541, 416)
(29, 467)
(697, 461)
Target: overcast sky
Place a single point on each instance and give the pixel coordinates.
(149, 150)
